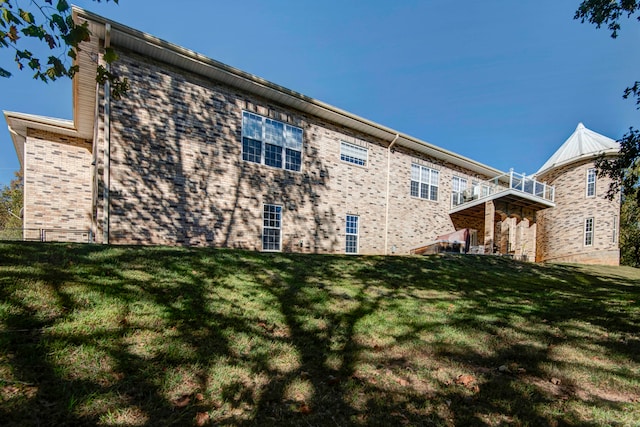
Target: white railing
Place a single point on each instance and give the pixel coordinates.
(516, 181)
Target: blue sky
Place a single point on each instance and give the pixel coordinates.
(503, 82)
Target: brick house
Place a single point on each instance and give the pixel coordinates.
(200, 153)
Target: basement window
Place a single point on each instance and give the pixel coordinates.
(351, 238)
(271, 228)
(588, 232)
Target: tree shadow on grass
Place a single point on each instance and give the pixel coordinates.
(175, 336)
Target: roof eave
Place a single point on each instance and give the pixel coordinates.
(189, 60)
(19, 123)
(546, 171)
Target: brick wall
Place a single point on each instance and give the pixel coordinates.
(561, 229)
(57, 187)
(177, 175)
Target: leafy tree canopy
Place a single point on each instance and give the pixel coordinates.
(624, 169)
(52, 25)
(11, 203)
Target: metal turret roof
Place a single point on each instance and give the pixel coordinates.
(582, 143)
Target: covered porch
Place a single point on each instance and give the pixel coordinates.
(503, 210)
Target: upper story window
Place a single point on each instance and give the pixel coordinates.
(352, 153)
(458, 186)
(271, 142)
(424, 182)
(591, 182)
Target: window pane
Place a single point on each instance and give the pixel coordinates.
(351, 244)
(353, 154)
(273, 155)
(293, 160)
(251, 126)
(434, 177)
(415, 173)
(424, 191)
(434, 193)
(293, 137)
(352, 224)
(251, 150)
(414, 188)
(271, 239)
(274, 132)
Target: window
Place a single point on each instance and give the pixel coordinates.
(271, 226)
(591, 182)
(458, 186)
(351, 237)
(271, 142)
(351, 153)
(424, 182)
(588, 232)
(615, 229)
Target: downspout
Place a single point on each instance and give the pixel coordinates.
(386, 217)
(24, 179)
(107, 143)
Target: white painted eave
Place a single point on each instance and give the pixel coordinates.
(160, 50)
(19, 123)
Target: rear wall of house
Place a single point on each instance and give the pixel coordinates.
(561, 235)
(178, 177)
(57, 187)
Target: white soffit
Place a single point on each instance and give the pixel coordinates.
(160, 50)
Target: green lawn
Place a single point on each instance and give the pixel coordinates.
(151, 336)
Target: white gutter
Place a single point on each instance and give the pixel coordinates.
(24, 180)
(386, 217)
(107, 143)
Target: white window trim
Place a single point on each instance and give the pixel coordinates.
(272, 228)
(595, 180)
(264, 142)
(459, 193)
(429, 185)
(357, 234)
(356, 148)
(615, 229)
(587, 233)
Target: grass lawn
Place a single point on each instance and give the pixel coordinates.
(97, 335)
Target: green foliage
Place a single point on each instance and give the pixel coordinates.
(630, 232)
(53, 26)
(116, 335)
(624, 170)
(607, 12)
(11, 197)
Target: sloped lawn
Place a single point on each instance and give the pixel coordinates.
(95, 335)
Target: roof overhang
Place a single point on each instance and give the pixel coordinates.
(578, 159)
(169, 53)
(511, 196)
(19, 123)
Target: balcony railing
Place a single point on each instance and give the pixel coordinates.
(516, 181)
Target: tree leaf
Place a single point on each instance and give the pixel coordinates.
(110, 55)
(62, 6)
(26, 16)
(4, 73)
